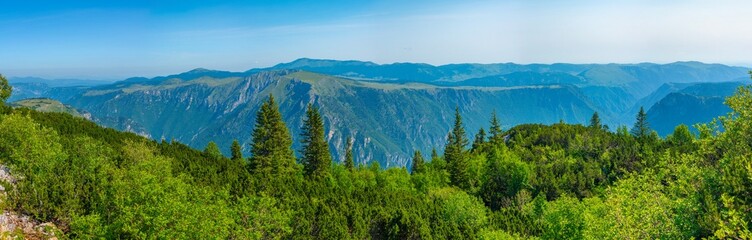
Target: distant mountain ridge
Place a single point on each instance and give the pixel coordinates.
(692, 104)
(389, 109)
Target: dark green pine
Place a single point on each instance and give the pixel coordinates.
(316, 158)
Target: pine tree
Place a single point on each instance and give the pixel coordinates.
(454, 154)
(434, 155)
(212, 150)
(480, 139)
(272, 144)
(641, 127)
(449, 149)
(316, 158)
(595, 121)
(495, 130)
(237, 153)
(5, 89)
(349, 161)
(418, 163)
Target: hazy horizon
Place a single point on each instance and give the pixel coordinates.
(116, 40)
(113, 79)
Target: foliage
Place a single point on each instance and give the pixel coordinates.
(236, 150)
(212, 151)
(349, 161)
(5, 89)
(455, 154)
(595, 121)
(316, 157)
(271, 149)
(555, 181)
(496, 134)
(480, 139)
(418, 163)
(641, 128)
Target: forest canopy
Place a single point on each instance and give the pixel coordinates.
(559, 181)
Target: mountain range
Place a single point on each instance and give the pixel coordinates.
(391, 110)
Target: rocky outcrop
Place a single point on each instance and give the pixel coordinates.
(18, 226)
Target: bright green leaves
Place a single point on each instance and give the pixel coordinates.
(505, 176)
(212, 151)
(459, 214)
(33, 154)
(261, 218)
(563, 219)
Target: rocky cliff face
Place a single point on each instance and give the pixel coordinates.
(387, 121)
(390, 110)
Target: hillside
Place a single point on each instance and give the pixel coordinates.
(693, 104)
(399, 107)
(392, 119)
(47, 105)
(67, 177)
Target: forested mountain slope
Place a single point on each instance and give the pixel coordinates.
(387, 121)
(389, 109)
(557, 181)
(697, 103)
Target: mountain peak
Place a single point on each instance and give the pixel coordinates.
(200, 70)
(317, 63)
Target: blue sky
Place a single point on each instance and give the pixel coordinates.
(118, 39)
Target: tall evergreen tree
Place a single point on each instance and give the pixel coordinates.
(480, 139)
(316, 157)
(272, 144)
(237, 152)
(212, 150)
(495, 130)
(418, 163)
(641, 127)
(595, 121)
(454, 154)
(5, 89)
(434, 154)
(349, 161)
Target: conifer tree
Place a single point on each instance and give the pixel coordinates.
(495, 130)
(212, 150)
(237, 153)
(418, 163)
(316, 157)
(480, 139)
(641, 127)
(272, 144)
(595, 121)
(454, 154)
(349, 161)
(5, 89)
(434, 155)
(436, 161)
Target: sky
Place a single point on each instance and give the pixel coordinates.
(113, 40)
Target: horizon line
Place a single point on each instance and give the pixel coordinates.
(115, 79)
